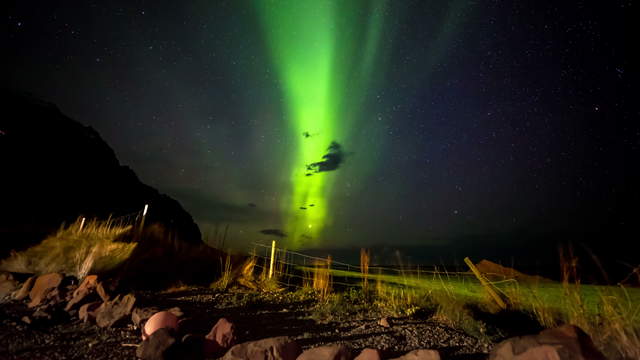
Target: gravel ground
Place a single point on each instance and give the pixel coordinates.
(255, 317)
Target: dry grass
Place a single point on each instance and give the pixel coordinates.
(322, 277)
(74, 250)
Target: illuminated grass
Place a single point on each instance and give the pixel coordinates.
(610, 314)
(74, 250)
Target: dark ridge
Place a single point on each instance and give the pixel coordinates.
(55, 169)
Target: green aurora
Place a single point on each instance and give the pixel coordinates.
(324, 53)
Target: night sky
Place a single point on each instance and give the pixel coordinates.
(355, 123)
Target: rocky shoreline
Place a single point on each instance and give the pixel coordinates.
(61, 320)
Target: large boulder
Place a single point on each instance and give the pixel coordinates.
(567, 342)
(43, 287)
(276, 348)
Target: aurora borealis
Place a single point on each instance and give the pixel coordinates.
(324, 62)
(463, 125)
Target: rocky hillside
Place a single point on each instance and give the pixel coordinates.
(55, 169)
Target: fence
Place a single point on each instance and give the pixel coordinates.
(285, 262)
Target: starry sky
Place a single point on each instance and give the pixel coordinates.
(356, 123)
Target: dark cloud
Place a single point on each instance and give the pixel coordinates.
(210, 208)
(332, 159)
(274, 232)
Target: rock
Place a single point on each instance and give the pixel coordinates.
(25, 289)
(223, 333)
(385, 322)
(140, 315)
(369, 354)
(7, 284)
(187, 326)
(87, 287)
(420, 355)
(44, 285)
(328, 352)
(176, 311)
(88, 311)
(102, 292)
(192, 347)
(161, 345)
(160, 320)
(276, 348)
(41, 314)
(567, 342)
(110, 312)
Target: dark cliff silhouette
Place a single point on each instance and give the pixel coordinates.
(54, 169)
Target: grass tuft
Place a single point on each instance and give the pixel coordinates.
(75, 250)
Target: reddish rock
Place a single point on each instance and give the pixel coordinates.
(44, 285)
(276, 348)
(567, 342)
(328, 352)
(102, 292)
(140, 315)
(420, 355)
(25, 289)
(223, 333)
(192, 347)
(87, 287)
(7, 284)
(176, 311)
(369, 354)
(161, 345)
(159, 320)
(88, 311)
(385, 322)
(110, 312)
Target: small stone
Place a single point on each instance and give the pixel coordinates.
(159, 320)
(192, 347)
(328, 352)
(87, 312)
(421, 354)
(140, 315)
(25, 289)
(176, 311)
(276, 348)
(111, 312)
(159, 346)
(223, 333)
(102, 292)
(7, 284)
(385, 322)
(87, 287)
(369, 354)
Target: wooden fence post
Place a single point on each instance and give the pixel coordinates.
(486, 284)
(273, 253)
